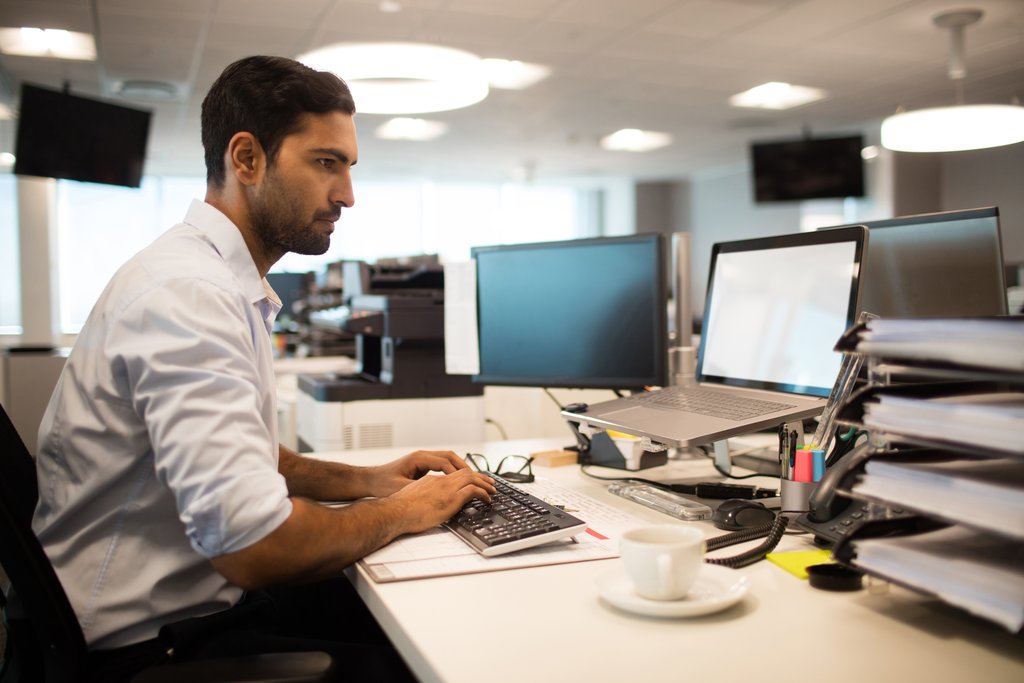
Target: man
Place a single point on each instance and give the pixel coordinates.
(163, 492)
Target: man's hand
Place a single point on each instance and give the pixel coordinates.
(396, 475)
(434, 499)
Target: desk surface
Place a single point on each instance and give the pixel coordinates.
(547, 623)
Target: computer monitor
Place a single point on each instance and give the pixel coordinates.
(935, 265)
(290, 288)
(585, 313)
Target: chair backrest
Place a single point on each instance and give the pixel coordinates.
(44, 633)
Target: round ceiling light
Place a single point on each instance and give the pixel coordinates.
(404, 78)
(953, 129)
(961, 126)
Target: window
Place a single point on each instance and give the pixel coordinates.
(10, 288)
(102, 226)
(394, 219)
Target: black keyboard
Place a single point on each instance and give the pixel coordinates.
(513, 520)
(710, 402)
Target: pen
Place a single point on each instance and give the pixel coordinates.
(783, 452)
(792, 450)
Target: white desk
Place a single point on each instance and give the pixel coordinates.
(547, 624)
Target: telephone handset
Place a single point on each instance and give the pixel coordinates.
(831, 516)
(825, 503)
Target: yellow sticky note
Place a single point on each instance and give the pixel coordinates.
(796, 562)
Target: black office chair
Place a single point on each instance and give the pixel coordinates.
(44, 639)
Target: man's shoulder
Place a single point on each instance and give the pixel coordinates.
(182, 259)
(183, 252)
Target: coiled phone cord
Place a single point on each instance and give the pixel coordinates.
(773, 531)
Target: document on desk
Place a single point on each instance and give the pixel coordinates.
(439, 552)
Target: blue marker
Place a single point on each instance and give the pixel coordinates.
(818, 464)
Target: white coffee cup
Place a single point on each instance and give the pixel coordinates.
(663, 560)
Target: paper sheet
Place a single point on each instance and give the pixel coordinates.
(461, 350)
(439, 552)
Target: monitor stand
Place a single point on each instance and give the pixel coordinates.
(723, 461)
(597, 448)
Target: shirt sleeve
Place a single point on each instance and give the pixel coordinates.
(187, 352)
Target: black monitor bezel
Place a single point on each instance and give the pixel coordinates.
(857, 234)
(659, 335)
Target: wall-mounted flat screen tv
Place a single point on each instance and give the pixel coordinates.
(78, 138)
(808, 168)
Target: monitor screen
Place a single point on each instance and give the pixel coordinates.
(808, 168)
(77, 138)
(290, 288)
(579, 313)
(935, 265)
(775, 308)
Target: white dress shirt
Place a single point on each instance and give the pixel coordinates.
(159, 447)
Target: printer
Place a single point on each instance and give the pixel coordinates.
(399, 393)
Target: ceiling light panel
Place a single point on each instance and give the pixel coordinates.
(403, 128)
(777, 96)
(512, 74)
(47, 42)
(635, 140)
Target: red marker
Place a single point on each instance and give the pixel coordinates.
(804, 470)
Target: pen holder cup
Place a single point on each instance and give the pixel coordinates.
(796, 495)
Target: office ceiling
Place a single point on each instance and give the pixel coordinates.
(663, 65)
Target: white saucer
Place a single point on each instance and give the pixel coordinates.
(715, 589)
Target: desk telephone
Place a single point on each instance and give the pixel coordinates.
(833, 516)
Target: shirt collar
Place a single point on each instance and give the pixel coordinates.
(227, 240)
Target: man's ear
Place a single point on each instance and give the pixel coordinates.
(245, 158)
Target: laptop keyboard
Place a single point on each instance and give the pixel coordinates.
(513, 520)
(710, 402)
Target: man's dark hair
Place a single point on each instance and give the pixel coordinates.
(265, 96)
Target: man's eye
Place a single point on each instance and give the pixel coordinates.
(326, 163)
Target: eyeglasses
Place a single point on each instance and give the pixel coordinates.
(514, 468)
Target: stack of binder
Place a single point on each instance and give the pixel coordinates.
(945, 410)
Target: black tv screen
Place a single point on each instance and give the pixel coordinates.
(77, 138)
(574, 314)
(808, 168)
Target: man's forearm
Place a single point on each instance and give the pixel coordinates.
(321, 480)
(314, 543)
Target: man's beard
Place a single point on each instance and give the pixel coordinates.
(277, 222)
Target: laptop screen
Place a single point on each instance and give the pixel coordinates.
(776, 307)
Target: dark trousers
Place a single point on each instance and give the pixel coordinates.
(328, 616)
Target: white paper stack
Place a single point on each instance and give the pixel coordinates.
(996, 343)
(993, 421)
(988, 494)
(980, 573)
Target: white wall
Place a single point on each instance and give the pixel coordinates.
(723, 209)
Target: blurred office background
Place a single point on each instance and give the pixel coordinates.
(526, 163)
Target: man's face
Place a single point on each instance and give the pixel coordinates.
(304, 189)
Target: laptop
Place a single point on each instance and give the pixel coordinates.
(775, 308)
